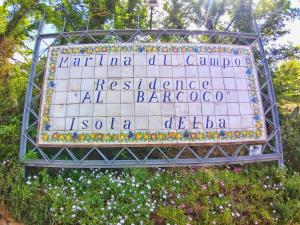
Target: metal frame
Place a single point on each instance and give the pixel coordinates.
(155, 156)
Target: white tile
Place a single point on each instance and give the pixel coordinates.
(73, 97)
(61, 85)
(114, 84)
(165, 60)
(181, 96)
(202, 60)
(113, 123)
(74, 84)
(228, 72)
(71, 123)
(231, 96)
(99, 124)
(141, 109)
(140, 84)
(127, 123)
(242, 84)
(86, 97)
(209, 122)
(216, 71)
(127, 84)
(205, 83)
(208, 109)
(234, 122)
(140, 96)
(62, 73)
(168, 122)
(100, 97)
(178, 60)
(88, 72)
(140, 59)
(246, 121)
(207, 96)
(85, 123)
(222, 122)
(114, 72)
(230, 83)
(165, 71)
(152, 59)
(191, 71)
(154, 109)
(221, 109)
(237, 61)
(154, 96)
(114, 59)
(141, 123)
(166, 84)
(59, 110)
(181, 109)
(178, 71)
(86, 110)
(87, 84)
(239, 72)
(127, 60)
(245, 108)
(89, 60)
(77, 61)
(60, 98)
(72, 110)
(179, 84)
(140, 71)
(63, 61)
(233, 108)
(195, 108)
(204, 71)
(127, 109)
(101, 84)
(168, 109)
(113, 110)
(190, 59)
(101, 60)
(127, 97)
(243, 96)
(113, 96)
(152, 71)
(217, 83)
(195, 122)
(153, 83)
(100, 72)
(57, 124)
(127, 71)
(99, 110)
(193, 83)
(182, 122)
(155, 123)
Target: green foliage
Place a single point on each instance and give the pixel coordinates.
(291, 142)
(258, 194)
(287, 81)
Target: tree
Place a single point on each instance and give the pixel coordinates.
(287, 81)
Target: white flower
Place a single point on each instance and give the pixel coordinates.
(221, 207)
(73, 215)
(28, 182)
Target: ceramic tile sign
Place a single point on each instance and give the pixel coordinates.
(150, 94)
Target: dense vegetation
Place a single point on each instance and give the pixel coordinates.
(256, 194)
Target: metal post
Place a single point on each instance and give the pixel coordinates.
(151, 14)
(271, 93)
(26, 112)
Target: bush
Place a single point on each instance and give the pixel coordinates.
(256, 195)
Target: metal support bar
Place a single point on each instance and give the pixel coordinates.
(248, 36)
(26, 112)
(271, 92)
